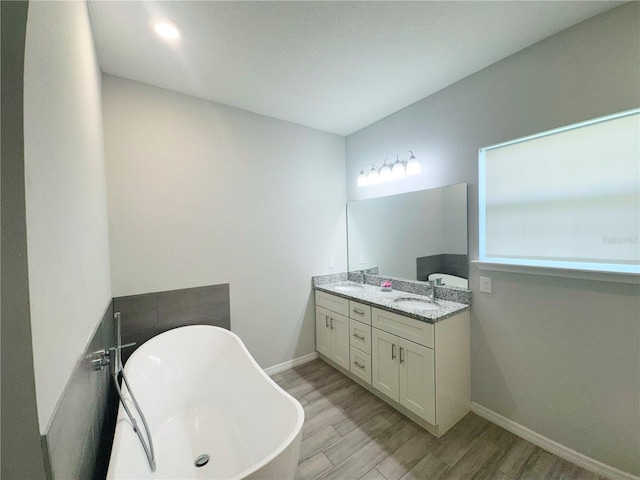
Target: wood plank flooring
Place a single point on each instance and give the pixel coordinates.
(350, 434)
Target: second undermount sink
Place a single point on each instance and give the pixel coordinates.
(348, 288)
(416, 304)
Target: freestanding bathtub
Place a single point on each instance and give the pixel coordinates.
(202, 393)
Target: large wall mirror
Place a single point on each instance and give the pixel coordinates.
(411, 235)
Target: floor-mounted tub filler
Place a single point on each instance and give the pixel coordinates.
(212, 412)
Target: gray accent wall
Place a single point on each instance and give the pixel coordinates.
(78, 439)
(556, 355)
(21, 452)
(147, 315)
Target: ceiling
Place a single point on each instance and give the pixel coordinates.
(334, 66)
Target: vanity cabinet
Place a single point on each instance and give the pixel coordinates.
(420, 368)
(332, 329)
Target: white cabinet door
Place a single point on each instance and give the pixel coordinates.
(384, 363)
(340, 334)
(417, 379)
(323, 332)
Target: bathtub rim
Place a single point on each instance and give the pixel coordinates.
(299, 409)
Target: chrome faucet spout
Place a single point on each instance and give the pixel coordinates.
(431, 291)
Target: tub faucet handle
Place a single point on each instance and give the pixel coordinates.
(99, 359)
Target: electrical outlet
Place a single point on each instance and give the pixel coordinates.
(485, 284)
(331, 262)
(363, 258)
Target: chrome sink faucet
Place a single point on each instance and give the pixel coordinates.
(431, 291)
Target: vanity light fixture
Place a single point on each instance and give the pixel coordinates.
(385, 171)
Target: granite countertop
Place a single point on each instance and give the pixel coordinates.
(372, 295)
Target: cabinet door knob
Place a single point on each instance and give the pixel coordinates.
(331, 323)
(326, 321)
(401, 356)
(393, 351)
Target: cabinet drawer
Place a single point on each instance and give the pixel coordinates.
(360, 336)
(404, 327)
(361, 364)
(360, 312)
(335, 304)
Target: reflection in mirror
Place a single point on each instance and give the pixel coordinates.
(418, 235)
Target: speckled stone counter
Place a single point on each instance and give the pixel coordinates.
(374, 296)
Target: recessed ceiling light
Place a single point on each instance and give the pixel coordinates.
(166, 29)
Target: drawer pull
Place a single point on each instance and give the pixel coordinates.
(358, 365)
(401, 356)
(358, 336)
(393, 351)
(359, 311)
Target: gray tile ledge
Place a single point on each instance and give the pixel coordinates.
(373, 296)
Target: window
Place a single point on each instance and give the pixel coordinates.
(568, 198)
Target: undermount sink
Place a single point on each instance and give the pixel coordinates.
(415, 304)
(348, 288)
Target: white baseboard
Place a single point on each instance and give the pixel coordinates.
(549, 445)
(281, 367)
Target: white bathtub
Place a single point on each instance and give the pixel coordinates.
(203, 393)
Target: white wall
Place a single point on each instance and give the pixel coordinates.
(67, 237)
(558, 356)
(200, 193)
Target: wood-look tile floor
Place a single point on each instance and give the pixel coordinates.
(351, 434)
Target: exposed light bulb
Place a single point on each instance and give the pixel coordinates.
(374, 177)
(363, 181)
(398, 170)
(413, 166)
(385, 173)
(166, 30)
